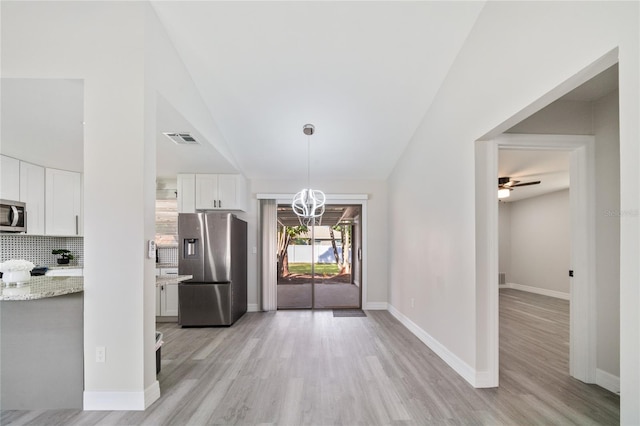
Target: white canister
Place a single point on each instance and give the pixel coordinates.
(19, 277)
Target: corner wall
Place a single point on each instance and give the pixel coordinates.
(512, 59)
(116, 48)
(48, 40)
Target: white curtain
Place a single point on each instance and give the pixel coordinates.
(269, 260)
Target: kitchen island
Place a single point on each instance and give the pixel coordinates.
(41, 341)
(41, 287)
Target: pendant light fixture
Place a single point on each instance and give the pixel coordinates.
(308, 204)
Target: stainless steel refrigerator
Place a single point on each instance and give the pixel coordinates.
(213, 248)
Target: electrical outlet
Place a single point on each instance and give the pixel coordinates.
(101, 354)
(413, 302)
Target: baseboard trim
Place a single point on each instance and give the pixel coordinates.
(253, 307)
(485, 379)
(537, 290)
(458, 365)
(121, 401)
(607, 381)
(151, 394)
(376, 306)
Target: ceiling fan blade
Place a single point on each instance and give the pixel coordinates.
(526, 183)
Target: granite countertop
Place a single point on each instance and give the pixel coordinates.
(41, 287)
(171, 279)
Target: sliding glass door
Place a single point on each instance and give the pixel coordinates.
(319, 266)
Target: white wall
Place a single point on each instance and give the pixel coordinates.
(125, 60)
(540, 249)
(57, 105)
(511, 60)
(48, 40)
(559, 118)
(376, 260)
(605, 124)
(504, 239)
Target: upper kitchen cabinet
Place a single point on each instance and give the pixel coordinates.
(212, 192)
(10, 175)
(186, 193)
(32, 193)
(63, 203)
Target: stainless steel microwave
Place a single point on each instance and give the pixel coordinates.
(13, 216)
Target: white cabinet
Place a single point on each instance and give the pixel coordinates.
(186, 193)
(167, 295)
(32, 193)
(63, 203)
(232, 192)
(170, 300)
(9, 178)
(206, 192)
(211, 192)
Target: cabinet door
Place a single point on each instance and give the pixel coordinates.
(186, 193)
(170, 300)
(228, 192)
(32, 193)
(206, 192)
(10, 178)
(63, 206)
(158, 300)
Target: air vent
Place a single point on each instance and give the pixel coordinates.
(182, 138)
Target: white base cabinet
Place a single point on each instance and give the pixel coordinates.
(167, 295)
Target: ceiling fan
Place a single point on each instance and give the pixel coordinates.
(506, 185)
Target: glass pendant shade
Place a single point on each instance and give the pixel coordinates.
(308, 204)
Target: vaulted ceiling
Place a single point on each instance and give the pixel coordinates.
(364, 73)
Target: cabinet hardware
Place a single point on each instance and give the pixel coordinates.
(77, 227)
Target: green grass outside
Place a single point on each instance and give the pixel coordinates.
(320, 268)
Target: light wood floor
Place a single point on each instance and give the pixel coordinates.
(327, 296)
(308, 367)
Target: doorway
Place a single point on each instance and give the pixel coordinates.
(320, 266)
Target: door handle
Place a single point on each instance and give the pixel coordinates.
(77, 226)
(219, 203)
(15, 215)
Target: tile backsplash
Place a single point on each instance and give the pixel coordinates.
(37, 249)
(168, 255)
